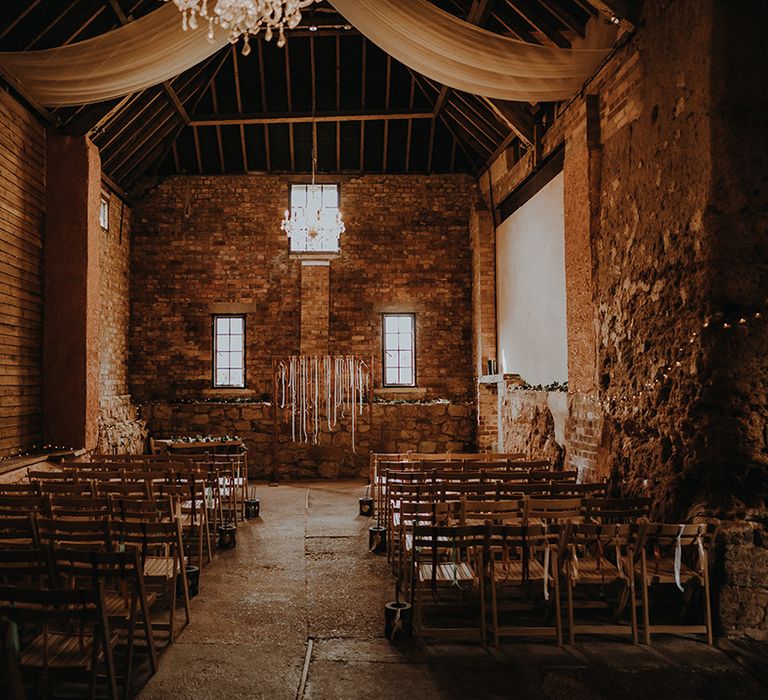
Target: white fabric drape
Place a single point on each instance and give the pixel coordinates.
(468, 58)
(423, 37)
(132, 58)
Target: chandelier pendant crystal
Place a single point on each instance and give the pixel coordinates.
(244, 18)
(313, 228)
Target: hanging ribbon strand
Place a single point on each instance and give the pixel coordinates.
(309, 385)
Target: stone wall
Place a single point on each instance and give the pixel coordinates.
(22, 217)
(203, 245)
(120, 430)
(665, 203)
(437, 426)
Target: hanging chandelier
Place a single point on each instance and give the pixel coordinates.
(314, 225)
(244, 18)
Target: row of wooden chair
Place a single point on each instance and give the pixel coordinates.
(521, 568)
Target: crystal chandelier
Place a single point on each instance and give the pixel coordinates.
(244, 17)
(313, 227)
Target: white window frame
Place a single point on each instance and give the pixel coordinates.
(228, 351)
(104, 212)
(385, 349)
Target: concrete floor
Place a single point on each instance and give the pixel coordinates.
(302, 571)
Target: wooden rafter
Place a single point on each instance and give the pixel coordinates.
(542, 23)
(615, 10)
(308, 117)
(239, 105)
(516, 116)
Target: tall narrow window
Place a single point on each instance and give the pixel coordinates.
(315, 222)
(104, 212)
(399, 350)
(229, 351)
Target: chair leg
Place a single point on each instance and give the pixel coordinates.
(130, 644)
(494, 610)
(646, 611)
(707, 605)
(482, 603)
(172, 603)
(571, 625)
(558, 612)
(633, 607)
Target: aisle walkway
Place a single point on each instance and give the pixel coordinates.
(302, 572)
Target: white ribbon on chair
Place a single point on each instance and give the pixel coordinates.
(679, 557)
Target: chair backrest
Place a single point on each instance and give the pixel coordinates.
(128, 488)
(553, 475)
(147, 538)
(551, 509)
(71, 488)
(19, 505)
(491, 511)
(429, 540)
(79, 506)
(87, 533)
(617, 510)
(18, 532)
(596, 489)
(83, 566)
(134, 508)
(669, 535)
(45, 605)
(29, 567)
(23, 489)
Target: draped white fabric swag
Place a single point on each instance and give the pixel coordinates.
(132, 58)
(423, 37)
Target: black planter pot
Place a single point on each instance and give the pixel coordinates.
(377, 539)
(251, 508)
(366, 506)
(193, 582)
(398, 620)
(227, 536)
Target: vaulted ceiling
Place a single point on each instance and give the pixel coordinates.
(329, 85)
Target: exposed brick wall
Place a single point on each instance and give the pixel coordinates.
(120, 431)
(314, 308)
(483, 244)
(200, 242)
(22, 217)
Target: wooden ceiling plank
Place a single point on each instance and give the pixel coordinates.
(239, 104)
(478, 117)
(480, 12)
(431, 145)
(615, 10)
(83, 27)
(534, 15)
(49, 26)
(198, 156)
(470, 124)
(214, 98)
(133, 147)
(363, 66)
(408, 136)
(262, 74)
(515, 116)
(19, 18)
(483, 147)
(564, 15)
(338, 147)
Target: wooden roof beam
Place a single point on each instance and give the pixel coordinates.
(617, 11)
(308, 117)
(516, 116)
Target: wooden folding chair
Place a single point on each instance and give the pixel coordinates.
(162, 558)
(617, 510)
(18, 532)
(679, 557)
(18, 506)
(480, 512)
(140, 489)
(446, 573)
(599, 560)
(151, 510)
(523, 565)
(126, 601)
(567, 488)
(190, 496)
(28, 568)
(74, 637)
(75, 489)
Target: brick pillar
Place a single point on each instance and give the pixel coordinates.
(314, 306)
(483, 245)
(71, 319)
(581, 174)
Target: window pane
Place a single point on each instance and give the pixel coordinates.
(222, 325)
(236, 360)
(404, 342)
(390, 324)
(391, 341)
(298, 196)
(331, 196)
(236, 377)
(222, 377)
(222, 343)
(406, 375)
(405, 359)
(236, 326)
